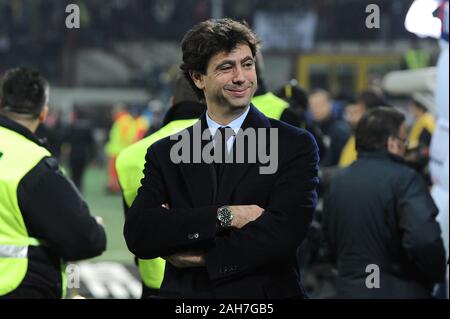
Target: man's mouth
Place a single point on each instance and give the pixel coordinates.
(239, 92)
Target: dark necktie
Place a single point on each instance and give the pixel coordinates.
(220, 141)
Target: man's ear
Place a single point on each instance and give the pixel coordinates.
(197, 77)
(391, 145)
(43, 114)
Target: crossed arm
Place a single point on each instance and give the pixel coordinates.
(242, 215)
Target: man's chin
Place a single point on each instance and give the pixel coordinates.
(239, 104)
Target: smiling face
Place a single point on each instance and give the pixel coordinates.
(230, 80)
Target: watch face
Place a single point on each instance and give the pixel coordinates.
(225, 217)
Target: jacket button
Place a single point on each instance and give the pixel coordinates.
(190, 236)
(196, 235)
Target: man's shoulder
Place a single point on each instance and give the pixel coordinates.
(382, 168)
(47, 168)
(134, 152)
(162, 146)
(291, 134)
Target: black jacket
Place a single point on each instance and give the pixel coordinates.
(257, 261)
(379, 211)
(336, 133)
(54, 212)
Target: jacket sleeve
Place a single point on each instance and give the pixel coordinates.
(277, 233)
(421, 234)
(55, 212)
(152, 231)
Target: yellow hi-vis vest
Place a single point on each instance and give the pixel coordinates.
(125, 131)
(270, 105)
(18, 156)
(130, 165)
(417, 59)
(425, 122)
(349, 153)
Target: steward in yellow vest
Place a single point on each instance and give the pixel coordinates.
(44, 222)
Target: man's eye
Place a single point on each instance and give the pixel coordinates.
(248, 64)
(225, 67)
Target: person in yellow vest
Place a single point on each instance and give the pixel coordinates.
(184, 112)
(419, 140)
(297, 97)
(268, 103)
(415, 57)
(127, 129)
(44, 222)
(354, 110)
(424, 122)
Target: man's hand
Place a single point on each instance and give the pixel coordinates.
(187, 259)
(99, 220)
(243, 214)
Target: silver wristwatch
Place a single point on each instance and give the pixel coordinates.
(225, 216)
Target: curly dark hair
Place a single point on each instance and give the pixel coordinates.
(213, 36)
(23, 91)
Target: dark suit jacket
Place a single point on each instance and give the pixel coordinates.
(257, 261)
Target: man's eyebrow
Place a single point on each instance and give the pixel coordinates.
(247, 58)
(225, 62)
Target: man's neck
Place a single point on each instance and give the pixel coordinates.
(24, 120)
(225, 118)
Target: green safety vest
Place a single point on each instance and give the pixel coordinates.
(270, 105)
(18, 156)
(417, 59)
(130, 165)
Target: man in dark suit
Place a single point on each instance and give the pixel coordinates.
(226, 230)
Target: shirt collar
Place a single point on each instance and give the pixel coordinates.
(235, 124)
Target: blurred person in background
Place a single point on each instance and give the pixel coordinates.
(128, 128)
(156, 109)
(268, 103)
(184, 111)
(335, 131)
(79, 137)
(297, 98)
(354, 110)
(415, 57)
(379, 213)
(419, 140)
(44, 222)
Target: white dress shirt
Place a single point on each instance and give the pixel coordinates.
(235, 125)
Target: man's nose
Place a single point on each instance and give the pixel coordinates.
(239, 76)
